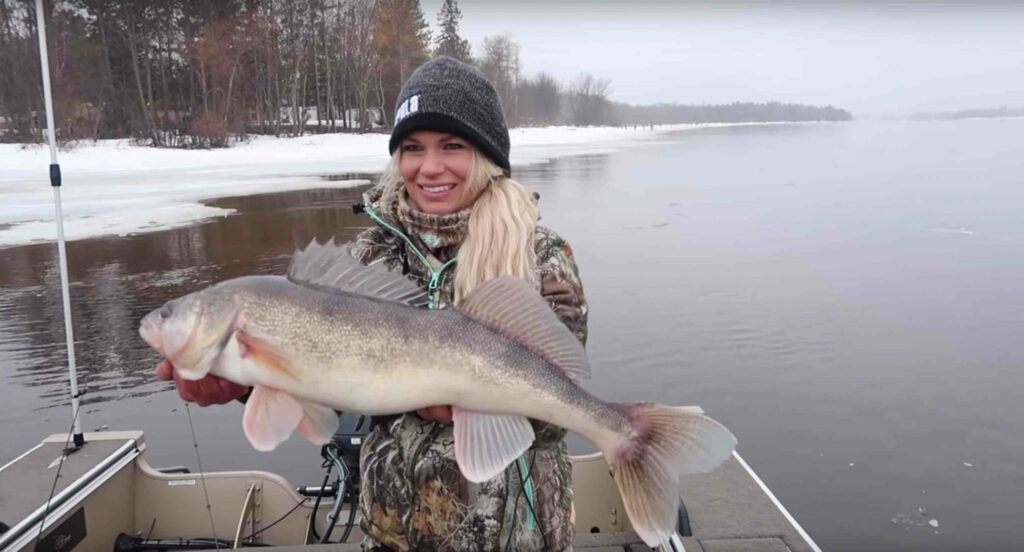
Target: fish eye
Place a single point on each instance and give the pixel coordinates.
(165, 312)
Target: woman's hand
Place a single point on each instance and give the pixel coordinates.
(204, 392)
(439, 414)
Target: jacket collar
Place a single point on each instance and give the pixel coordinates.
(437, 235)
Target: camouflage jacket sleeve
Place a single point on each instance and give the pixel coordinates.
(561, 286)
(375, 244)
(560, 281)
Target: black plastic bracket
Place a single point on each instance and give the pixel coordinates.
(54, 175)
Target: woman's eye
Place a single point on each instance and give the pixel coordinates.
(412, 147)
(453, 146)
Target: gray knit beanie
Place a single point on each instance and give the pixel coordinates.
(447, 95)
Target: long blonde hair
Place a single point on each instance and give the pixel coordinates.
(499, 236)
(500, 231)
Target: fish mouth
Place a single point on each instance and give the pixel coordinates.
(150, 333)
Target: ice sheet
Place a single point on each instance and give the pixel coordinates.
(112, 187)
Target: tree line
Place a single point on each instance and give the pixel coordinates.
(736, 112)
(980, 113)
(201, 73)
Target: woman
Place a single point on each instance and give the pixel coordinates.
(449, 216)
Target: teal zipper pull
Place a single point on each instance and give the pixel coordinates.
(435, 275)
(435, 278)
(435, 282)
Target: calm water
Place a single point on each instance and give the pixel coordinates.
(846, 298)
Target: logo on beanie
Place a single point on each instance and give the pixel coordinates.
(407, 108)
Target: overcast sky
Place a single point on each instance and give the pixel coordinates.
(873, 58)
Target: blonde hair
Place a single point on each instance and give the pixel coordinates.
(500, 231)
(499, 236)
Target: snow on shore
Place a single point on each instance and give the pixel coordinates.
(115, 188)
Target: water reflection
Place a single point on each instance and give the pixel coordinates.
(587, 168)
(789, 279)
(116, 281)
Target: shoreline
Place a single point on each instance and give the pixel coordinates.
(115, 188)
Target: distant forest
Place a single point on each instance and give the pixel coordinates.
(737, 112)
(1002, 111)
(202, 73)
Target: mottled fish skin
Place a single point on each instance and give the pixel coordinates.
(357, 353)
(305, 348)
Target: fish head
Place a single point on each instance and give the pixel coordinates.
(190, 331)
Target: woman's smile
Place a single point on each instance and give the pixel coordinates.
(435, 165)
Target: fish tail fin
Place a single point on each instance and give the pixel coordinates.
(664, 443)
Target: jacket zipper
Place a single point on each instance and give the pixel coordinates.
(432, 286)
(435, 275)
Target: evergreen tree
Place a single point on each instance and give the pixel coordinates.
(449, 43)
(401, 38)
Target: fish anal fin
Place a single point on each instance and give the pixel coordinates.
(485, 444)
(270, 417)
(511, 305)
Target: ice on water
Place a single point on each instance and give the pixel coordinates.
(113, 187)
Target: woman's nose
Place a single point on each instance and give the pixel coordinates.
(433, 164)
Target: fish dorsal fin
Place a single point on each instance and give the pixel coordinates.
(332, 268)
(513, 306)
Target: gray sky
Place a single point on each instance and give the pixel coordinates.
(873, 58)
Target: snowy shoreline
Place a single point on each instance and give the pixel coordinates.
(115, 188)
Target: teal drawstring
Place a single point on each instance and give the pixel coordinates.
(435, 275)
(526, 477)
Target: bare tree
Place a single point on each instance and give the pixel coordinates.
(499, 62)
(539, 100)
(588, 100)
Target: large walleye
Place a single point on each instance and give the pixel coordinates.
(335, 334)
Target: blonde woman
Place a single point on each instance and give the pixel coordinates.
(448, 215)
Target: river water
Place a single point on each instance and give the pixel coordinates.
(846, 298)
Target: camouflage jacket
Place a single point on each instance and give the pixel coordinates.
(412, 494)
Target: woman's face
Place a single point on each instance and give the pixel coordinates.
(435, 166)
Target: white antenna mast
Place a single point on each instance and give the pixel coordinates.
(44, 63)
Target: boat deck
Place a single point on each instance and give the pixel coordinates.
(729, 511)
(29, 481)
(108, 488)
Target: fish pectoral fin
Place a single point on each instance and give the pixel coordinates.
(318, 424)
(513, 306)
(270, 417)
(256, 350)
(485, 444)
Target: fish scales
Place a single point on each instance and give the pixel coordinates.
(338, 335)
(367, 343)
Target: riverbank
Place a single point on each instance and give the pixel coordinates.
(114, 187)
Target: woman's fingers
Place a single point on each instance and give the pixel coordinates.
(231, 389)
(439, 414)
(443, 414)
(164, 370)
(204, 392)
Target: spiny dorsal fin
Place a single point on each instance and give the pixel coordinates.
(332, 268)
(511, 305)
